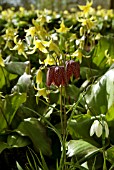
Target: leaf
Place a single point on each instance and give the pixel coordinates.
(79, 128)
(3, 146)
(5, 77)
(15, 140)
(110, 155)
(80, 148)
(33, 128)
(16, 67)
(100, 96)
(8, 108)
(105, 43)
(72, 91)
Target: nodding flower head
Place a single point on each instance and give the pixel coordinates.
(72, 68)
(60, 75)
(56, 75)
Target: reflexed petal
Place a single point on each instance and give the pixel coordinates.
(39, 76)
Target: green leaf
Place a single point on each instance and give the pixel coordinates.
(15, 140)
(110, 155)
(16, 67)
(33, 128)
(79, 128)
(3, 146)
(5, 77)
(105, 43)
(100, 96)
(8, 108)
(80, 148)
(72, 92)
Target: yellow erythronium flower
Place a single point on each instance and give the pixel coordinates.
(110, 60)
(39, 76)
(87, 22)
(49, 61)
(41, 92)
(53, 47)
(78, 54)
(97, 128)
(10, 33)
(39, 45)
(63, 28)
(31, 31)
(19, 47)
(86, 8)
(1, 61)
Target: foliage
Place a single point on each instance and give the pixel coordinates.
(56, 88)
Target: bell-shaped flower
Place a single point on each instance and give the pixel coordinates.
(97, 128)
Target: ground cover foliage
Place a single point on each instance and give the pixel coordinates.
(57, 119)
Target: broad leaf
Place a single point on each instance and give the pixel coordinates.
(32, 128)
(79, 128)
(8, 108)
(80, 148)
(16, 67)
(105, 43)
(100, 96)
(5, 77)
(110, 155)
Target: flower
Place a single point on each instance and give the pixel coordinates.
(97, 128)
(20, 47)
(49, 60)
(72, 68)
(41, 92)
(85, 8)
(39, 76)
(41, 45)
(56, 75)
(60, 75)
(31, 31)
(63, 28)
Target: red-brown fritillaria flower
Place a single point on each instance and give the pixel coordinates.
(72, 68)
(56, 75)
(60, 75)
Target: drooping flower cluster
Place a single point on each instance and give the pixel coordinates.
(60, 75)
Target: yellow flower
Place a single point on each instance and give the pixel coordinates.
(87, 22)
(86, 8)
(53, 47)
(39, 45)
(63, 28)
(78, 54)
(39, 76)
(41, 92)
(49, 60)
(31, 31)
(110, 60)
(1, 61)
(10, 33)
(19, 47)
